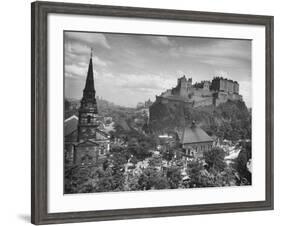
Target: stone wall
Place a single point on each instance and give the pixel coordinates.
(225, 85)
(204, 102)
(197, 149)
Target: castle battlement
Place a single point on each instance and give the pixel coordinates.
(215, 92)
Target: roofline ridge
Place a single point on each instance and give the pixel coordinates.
(69, 118)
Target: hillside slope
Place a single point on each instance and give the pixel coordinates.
(230, 120)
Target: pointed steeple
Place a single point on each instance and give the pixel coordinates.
(89, 92)
(89, 86)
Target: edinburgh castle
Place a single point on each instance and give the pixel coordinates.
(214, 92)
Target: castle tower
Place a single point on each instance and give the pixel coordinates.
(182, 82)
(182, 85)
(189, 83)
(88, 108)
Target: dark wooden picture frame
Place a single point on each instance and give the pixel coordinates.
(39, 193)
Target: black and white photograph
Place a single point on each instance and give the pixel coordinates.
(149, 112)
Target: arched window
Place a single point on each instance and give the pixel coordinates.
(88, 119)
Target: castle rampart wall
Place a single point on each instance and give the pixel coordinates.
(204, 102)
(216, 92)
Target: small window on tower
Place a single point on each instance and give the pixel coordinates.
(88, 119)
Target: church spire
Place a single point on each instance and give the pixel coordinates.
(89, 86)
(89, 93)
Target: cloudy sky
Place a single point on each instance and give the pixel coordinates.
(133, 68)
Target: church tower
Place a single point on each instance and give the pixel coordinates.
(88, 111)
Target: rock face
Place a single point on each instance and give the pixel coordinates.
(230, 120)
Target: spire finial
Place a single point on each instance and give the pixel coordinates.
(92, 52)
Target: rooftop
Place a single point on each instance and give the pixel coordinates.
(70, 125)
(194, 134)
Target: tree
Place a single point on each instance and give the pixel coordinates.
(200, 177)
(194, 169)
(108, 180)
(139, 148)
(78, 178)
(241, 163)
(174, 177)
(117, 161)
(120, 154)
(155, 161)
(215, 159)
(152, 179)
(168, 154)
(67, 105)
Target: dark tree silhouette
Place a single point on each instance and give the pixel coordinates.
(215, 159)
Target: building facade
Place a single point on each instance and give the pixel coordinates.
(225, 85)
(195, 141)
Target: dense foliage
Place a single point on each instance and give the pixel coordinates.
(230, 120)
(215, 159)
(240, 164)
(113, 174)
(133, 164)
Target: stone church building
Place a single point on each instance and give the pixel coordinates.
(84, 142)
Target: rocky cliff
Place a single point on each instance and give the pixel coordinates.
(230, 120)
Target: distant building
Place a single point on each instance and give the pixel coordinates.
(145, 104)
(140, 105)
(203, 93)
(144, 108)
(225, 85)
(195, 141)
(148, 103)
(85, 143)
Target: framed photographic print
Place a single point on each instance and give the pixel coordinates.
(140, 112)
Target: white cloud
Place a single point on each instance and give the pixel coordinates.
(98, 61)
(75, 48)
(75, 71)
(216, 51)
(137, 82)
(77, 56)
(88, 38)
